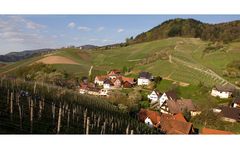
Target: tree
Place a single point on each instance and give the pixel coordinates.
(157, 79)
(133, 101)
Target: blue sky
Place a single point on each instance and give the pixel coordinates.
(26, 32)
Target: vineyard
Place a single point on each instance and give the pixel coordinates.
(38, 108)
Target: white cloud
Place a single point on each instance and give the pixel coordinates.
(71, 25)
(32, 25)
(101, 28)
(18, 33)
(27, 23)
(120, 30)
(84, 28)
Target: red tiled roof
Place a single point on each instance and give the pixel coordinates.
(180, 117)
(101, 78)
(153, 115)
(175, 124)
(130, 80)
(214, 131)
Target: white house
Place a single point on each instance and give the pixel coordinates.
(154, 96)
(107, 84)
(144, 78)
(222, 91)
(100, 80)
(170, 95)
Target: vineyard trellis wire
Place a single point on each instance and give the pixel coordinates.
(38, 108)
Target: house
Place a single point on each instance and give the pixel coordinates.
(117, 82)
(222, 91)
(154, 96)
(236, 103)
(170, 124)
(169, 95)
(230, 114)
(174, 107)
(99, 80)
(89, 88)
(128, 82)
(150, 118)
(107, 84)
(113, 74)
(144, 78)
(208, 131)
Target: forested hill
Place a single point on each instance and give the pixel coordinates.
(225, 32)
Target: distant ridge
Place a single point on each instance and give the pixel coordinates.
(17, 56)
(225, 32)
(87, 47)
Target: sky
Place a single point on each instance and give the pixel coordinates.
(29, 32)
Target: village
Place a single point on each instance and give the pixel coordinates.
(167, 109)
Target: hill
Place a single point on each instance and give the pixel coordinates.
(225, 32)
(17, 56)
(184, 60)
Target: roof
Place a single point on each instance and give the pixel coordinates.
(174, 126)
(214, 131)
(145, 75)
(226, 88)
(180, 105)
(101, 78)
(114, 72)
(171, 95)
(126, 79)
(180, 117)
(153, 115)
(232, 113)
(108, 81)
(237, 100)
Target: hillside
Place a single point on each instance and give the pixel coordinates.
(225, 32)
(17, 56)
(178, 59)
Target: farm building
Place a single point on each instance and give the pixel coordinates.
(230, 114)
(222, 91)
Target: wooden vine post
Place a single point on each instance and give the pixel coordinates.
(84, 119)
(127, 130)
(87, 129)
(59, 119)
(131, 132)
(31, 115)
(53, 112)
(11, 105)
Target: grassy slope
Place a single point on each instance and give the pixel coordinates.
(186, 49)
